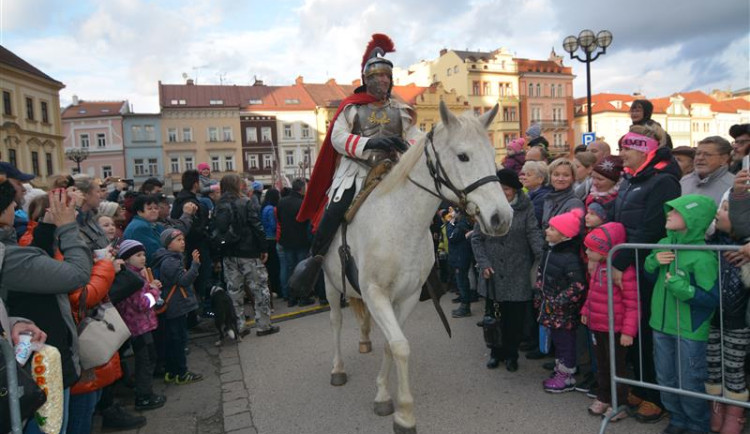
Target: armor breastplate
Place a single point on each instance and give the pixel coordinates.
(371, 121)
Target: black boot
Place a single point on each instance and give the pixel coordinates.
(496, 356)
(115, 418)
(302, 280)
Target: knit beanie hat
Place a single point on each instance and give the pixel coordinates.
(168, 235)
(257, 186)
(129, 248)
(516, 145)
(610, 167)
(203, 166)
(599, 210)
(534, 131)
(603, 238)
(568, 224)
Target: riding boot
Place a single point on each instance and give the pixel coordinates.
(305, 274)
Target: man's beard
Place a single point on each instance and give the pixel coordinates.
(377, 89)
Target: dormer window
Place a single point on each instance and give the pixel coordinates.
(291, 101)
(255, 101)
(105, 110)
(216, 102)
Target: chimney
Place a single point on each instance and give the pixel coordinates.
(299, 80)
(443, 51)
(190, 82)
(331, 82)
(75, 99)
(258, 82)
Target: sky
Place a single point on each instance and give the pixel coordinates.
(120, 49)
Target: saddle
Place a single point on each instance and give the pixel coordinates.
(380, 164)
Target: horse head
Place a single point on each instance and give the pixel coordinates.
(462, 151)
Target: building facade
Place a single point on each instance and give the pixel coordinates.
(200, 124)
(31, 133)
(546, 98)
(96, 126)
(688, 117)
(143, 146)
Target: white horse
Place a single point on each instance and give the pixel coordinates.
(391, 243)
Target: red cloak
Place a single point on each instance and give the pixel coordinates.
(315, 200)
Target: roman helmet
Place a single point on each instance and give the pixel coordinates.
(373, 61)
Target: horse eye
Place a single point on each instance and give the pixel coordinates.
(463, 157)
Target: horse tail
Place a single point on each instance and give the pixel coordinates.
(358, 307)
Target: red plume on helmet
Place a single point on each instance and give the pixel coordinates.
(378, 41)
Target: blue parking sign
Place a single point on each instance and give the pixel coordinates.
(588, 138)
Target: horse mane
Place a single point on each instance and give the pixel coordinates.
(405, 164)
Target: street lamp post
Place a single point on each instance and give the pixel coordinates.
(77, 155)
(590, 46)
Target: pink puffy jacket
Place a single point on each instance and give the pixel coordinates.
(625, 302)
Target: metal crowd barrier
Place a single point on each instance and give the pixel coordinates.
(13, 391)
(614, 379)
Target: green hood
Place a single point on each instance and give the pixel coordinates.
(698, 211)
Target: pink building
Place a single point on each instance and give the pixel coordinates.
(95, 126)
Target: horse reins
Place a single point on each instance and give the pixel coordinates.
(441, 179)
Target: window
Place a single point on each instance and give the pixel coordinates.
(423, 127)
(153, 166)
(560, 91)
(149, 132)
(306, 156)
(536, 114)
(137, 133)
(226, 133)
(45, 112)
(215, 163)
(182, 102)
(265, 134)
(485, 88)
(288, 131)
(12, 157)
(84, 140)
(138, 168)
(475, 88)
(189, 164)
(174, 165)
(255, 101)
(477, 111)
(213, 134)
(216, 102)
(35, 163)
(552, 90)
(187, 134)
(252, 161)
(229, 163)
(251, 135)
(172, 135)
(267, 161)
(291, 101)
(7, 108)
(50, 166)
(455, 69)
(106, 171)
(29, 109)
(101, 140)
(305, 131)
(538, 89)
(531, 89)
(509, 114)
(173, 102)
(289, 158)
(448, 72)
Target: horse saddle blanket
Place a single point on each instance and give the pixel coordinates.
(374, 176)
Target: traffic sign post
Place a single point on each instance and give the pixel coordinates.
(588, 138)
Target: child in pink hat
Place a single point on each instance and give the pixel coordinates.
(516, 155)
(561, 285)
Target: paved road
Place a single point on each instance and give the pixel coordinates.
(287, 380)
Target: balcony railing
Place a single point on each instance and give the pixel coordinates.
(551, 124)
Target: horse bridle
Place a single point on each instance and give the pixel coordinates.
(441, 179)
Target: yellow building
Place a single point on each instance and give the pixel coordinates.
(200, 124)
(483, 78)
(30, 124)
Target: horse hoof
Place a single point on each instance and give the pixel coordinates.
(338, 379)
(398, 429)
(365, 347)
(384, 408)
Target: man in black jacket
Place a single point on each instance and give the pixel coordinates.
(294, 239)
(244, 253)
(197, 237)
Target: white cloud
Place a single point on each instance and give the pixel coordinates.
(120, 49)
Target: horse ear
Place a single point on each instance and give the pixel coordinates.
(487, 117)
(446, 116)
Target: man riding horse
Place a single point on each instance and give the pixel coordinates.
(369, 120)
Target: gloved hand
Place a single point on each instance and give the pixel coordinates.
(387, 144)
(679, 285)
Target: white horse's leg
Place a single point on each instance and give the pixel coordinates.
(384, 315)
(383, 401)
(338, 375)
(365, 326)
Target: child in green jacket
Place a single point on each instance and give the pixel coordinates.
(685, 297)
